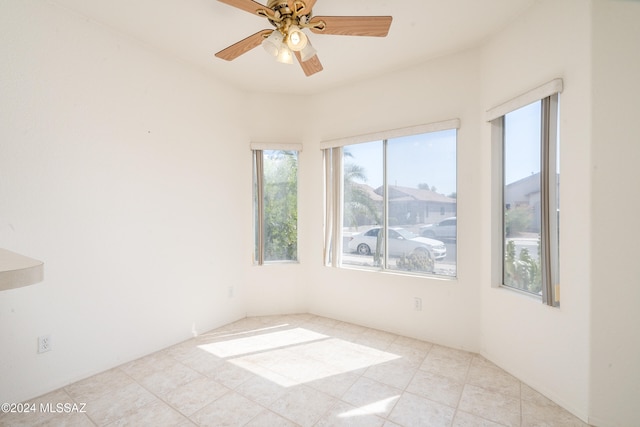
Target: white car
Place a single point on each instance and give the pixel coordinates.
(401, 242)
(445, 229)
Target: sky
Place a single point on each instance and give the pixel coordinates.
(427, 158)
(522, 148)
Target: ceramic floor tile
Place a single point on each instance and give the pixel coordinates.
(291, 337)
(267, 418)
(265, 373)
(299, 369)
(149, 365)
(350, 328)
(118, 403)
(377, 339)
(396, 373)
(98, 385)
(372, 396)
(155, 413)
(413, 343)
(352, 356)
(303, 405)
(171, 377)
(490, 405)
(560, 418)
(230, 375)
(65, 420)
(448, 362)
(201, 361)
(195, 395)
(416, 411)
(261, 390)
(238, 346)
(539, 413)
(464, 419)
(325, 321)
(414, 356)
(488, 376)
(338, 384)
(302, 370)
(326, 349)
(343, 414)
(187, 350)
(539, 410)
(231, 410)
(436, 387)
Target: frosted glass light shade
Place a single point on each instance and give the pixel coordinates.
(285, 55)
(273, 43)
(307, 53)
(296, 39)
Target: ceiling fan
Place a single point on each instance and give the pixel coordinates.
(290, 17)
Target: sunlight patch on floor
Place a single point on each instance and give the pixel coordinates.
(261, 342)
(296, 356)
(381, 407)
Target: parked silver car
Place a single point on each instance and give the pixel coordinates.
(445, 229)
(401, 242)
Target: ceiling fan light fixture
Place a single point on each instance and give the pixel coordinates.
(273, 43)
(293, 20)
(296, 39)
(285, 56)
(307, 53)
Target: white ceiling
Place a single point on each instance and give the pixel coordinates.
(194, 30)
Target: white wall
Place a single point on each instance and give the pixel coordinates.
(111, 173)
(548, 348)
(615, 316)
(278, 288)
(440, 90)
(545, 347)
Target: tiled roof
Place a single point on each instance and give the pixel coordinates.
(398, 193)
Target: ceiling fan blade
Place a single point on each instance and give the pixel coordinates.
(250, 6)
(310, 66)
(243, 46)
(372, 26)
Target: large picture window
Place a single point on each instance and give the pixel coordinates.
(392, 201)
(530, 203)
(275, 205)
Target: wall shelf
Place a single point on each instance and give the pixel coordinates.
(18, 270)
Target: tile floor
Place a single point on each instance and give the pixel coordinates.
(299, 370)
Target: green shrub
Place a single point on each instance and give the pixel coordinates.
(416, 261)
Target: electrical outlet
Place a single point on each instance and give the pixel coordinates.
(231, 291)
(44, 343)
(417, 304)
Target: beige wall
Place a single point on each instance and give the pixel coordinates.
(615, 292)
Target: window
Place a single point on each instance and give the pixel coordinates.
(386, 198)
(275, 205)
(528, 138)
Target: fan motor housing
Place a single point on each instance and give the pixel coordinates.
(276, 4)
(282, 6)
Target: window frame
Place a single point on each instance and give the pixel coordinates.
(334, 192)
(258, 150)
(548, 95)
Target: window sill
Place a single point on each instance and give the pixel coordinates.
(405, 273)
